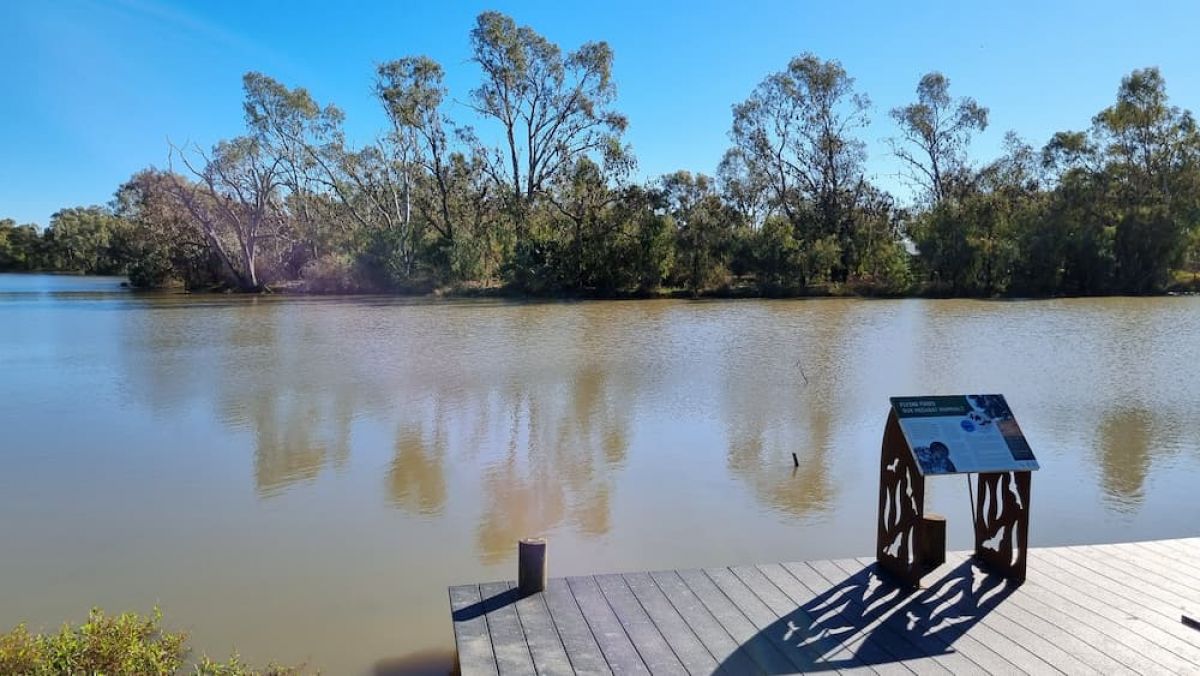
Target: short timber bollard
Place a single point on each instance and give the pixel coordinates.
(932, 541)
(531, 566)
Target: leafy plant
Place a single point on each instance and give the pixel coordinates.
(128, 643)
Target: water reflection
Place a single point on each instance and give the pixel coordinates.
(1125, 456)
(297, 404)
(293, 439)
(541, 397)
(555, 467)
(416, 478)
(782, 392)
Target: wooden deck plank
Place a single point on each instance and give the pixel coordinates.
(982, 623)
(950, 605)
(578, 641)
(619, 652)
(1109, 602)
(921, 656)
(1076, 635)
(1074, 608)
(1186, 571)
(1155, 606)
(1059, 637)
(716, 639)
(842, 644)
(1185, 546)
(471, 635)
(769, 657)
(508, 638)
(1086, 609)
(649, 641)
(1048, 647)
(1145, 567)
(761, 616)
(545, 645)
(688, 647)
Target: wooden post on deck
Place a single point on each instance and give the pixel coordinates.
(932, 541)
(531, 566)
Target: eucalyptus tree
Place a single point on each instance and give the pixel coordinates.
(798, 128)
(449, 191)
(1151, 151)
(368, 190)
(552, 108)
(291, 126)
(167, 243)
(1145, 138)
(237, 201)
(88, 239)
(744, 187)
(411, 91)
(702, 226)
(19, 246)
(968, 240)
(935, 133)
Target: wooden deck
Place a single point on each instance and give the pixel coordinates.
(1103, 609)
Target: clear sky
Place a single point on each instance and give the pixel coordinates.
(91, 91)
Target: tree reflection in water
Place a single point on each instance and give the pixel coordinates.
(416, 478)
(772, 412)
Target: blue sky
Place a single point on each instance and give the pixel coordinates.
(91, 91)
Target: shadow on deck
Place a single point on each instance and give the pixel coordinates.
(867, 620)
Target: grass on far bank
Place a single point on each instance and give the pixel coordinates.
(114, 644)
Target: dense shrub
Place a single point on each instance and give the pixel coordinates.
(333, 273)
(123, 644)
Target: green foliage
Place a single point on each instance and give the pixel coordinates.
(1109, 210)
(80, 239)
(776, 258)
(21, 247)
(387, 260)
(1148, 245)
(125, 644)
(935, 133)
(234, 666)
(704, 232)
(331, 273)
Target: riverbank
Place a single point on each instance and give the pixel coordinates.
(1184, 285)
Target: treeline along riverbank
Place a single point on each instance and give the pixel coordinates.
(552, 209)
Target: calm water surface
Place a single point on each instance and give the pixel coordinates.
(301, 479)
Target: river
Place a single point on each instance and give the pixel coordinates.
(302, 478)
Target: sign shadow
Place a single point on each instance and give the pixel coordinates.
(869, 618)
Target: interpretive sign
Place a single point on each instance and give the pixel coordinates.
(963, 433)
(929, 436)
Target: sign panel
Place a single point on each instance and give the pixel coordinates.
(963, 433)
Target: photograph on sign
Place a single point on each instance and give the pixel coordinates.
(963, 433)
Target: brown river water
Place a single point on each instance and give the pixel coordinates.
(300, 479)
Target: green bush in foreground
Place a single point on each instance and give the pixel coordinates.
(109, 645)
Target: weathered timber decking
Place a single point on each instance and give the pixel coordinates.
(1102, 609)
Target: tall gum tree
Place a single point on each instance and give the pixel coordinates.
(553, 109)
(237, 201)
(935, 132)
(291, 126)
(799, 129)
